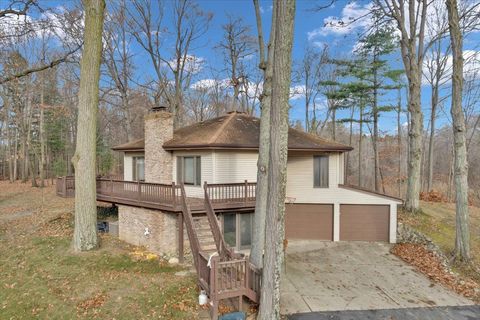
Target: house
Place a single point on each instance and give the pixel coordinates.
(223, 153)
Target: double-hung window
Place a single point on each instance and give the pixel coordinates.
(189, 170)
(320, 171)
(138, 166)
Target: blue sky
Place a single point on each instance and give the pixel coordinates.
(310, 30)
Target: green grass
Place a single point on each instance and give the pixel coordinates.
(437, 221)
(41, 277)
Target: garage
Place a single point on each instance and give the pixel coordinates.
(364, 222)
(309, 221)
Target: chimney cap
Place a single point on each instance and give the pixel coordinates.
(159, 109)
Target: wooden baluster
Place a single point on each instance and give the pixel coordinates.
(174, 196)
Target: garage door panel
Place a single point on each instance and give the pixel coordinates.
(364, 222)
(309, 221)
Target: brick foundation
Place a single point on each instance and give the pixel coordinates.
(162, 237)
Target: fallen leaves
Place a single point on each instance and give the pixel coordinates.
(433, 196)
(430, 265)
(91, 303)
(141, 254)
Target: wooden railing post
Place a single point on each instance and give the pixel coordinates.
(139, 190)
(174, 195)
(213, 287)
(111, 187)
(246, 191)
(64, 186)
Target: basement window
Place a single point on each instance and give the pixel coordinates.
(237, 230)
(320, 171)
(189, 170)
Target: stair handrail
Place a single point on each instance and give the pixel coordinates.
(192, 236)
(224, 251)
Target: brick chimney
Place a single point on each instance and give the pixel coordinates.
(158, 162)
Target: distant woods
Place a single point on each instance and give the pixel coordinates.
(367, 98)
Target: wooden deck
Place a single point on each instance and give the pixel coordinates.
(167, 197)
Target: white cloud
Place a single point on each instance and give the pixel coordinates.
(471, 65)
(297, 92)
(210, 84)
(354, 16)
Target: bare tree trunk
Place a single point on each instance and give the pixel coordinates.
(258, 243)
(432, 137)
(85, 233)
(462, 242)
(399, 142)
(412, 202)
(277, 175)
(334, 124)
(42, 135)
(360, 137)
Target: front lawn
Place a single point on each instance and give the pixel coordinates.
(40, 276)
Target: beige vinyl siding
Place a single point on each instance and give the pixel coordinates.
(235, 166)
(206, 170)
(300, 183)
(341, 168)
(128, 164)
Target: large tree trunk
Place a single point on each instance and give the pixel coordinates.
(42, 133)
(399, 143)
(376, 85)
(360, 137)
(462, 243)
(412, 202)
(261, 193)
(277, 169)
(85, 233)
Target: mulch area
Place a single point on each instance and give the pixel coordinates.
(430, 264)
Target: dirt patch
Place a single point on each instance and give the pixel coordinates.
(430, 264)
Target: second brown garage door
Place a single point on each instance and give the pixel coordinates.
(309, 221)
(364, 222)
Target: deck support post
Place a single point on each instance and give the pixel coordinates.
(180, 238)
(64, 187)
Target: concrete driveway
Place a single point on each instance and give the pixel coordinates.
(330, 276)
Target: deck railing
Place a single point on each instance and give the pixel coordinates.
(140, 193)
(164, 196)
(235, 192)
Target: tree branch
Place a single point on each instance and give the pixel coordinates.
(42, 67)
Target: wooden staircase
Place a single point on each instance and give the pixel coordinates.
(221, 272)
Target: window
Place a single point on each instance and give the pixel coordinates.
(138, 167)
(320, 171)
(237, 230)
(189, 170)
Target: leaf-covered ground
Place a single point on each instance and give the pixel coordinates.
(437, 221)
(41, 277)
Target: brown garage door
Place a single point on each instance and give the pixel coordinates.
(309, 221)
(364, 222)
